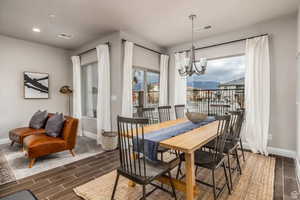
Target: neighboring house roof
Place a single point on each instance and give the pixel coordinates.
(240, 81)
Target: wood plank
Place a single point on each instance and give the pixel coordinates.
(190, 141)
(190, 175)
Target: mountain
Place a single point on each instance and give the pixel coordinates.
(204, 85)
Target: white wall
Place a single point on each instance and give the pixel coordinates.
(143, 57)
(17, 56)
(283, 45)
(298, 95)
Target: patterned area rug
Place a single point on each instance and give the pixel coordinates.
(18, 163)
(6, 174)
(256, 183)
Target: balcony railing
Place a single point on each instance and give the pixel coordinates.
(211, 102)
(152, 100)
(215, 101)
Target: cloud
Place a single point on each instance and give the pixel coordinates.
(222, 70)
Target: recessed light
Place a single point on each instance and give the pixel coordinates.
(35, 29)
(65, 36)
(52, 16)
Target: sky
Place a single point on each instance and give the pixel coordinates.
(222, 70)
(218, 70)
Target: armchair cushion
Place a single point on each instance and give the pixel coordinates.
(41, 144)
(18, 134)
(55, 125)
(38, 119)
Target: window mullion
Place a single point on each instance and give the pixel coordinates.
(145, 89)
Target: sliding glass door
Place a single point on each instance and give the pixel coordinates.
(145, 88)
(89, 89)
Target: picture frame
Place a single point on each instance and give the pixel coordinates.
(36, 85)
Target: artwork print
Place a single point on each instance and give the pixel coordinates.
(36, 85)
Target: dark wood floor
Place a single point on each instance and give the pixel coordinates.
(57, 184)
(286, 185)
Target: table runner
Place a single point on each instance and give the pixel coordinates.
(152, 139)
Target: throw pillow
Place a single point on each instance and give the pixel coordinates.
(38, 120)
(55, 125)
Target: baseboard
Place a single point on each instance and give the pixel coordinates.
(297, 169)
(4, 141)
(90, 135)
(282, 152)
(276, 151)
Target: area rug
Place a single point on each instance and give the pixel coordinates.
(256, 183)
(18, 163)
(6, 174)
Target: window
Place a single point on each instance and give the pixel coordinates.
(221, 86)
(89, 89)
(145, 88)
(152, 79)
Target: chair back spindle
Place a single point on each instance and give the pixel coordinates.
(179, 111)
(164, 113)
(149, 113)
(236, 123)
(222, 134)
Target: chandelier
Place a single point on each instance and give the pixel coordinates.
(193, 66)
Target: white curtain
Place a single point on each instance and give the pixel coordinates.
(257, 94)
(89, 91)
(180, 82)
(77, 113)
(127, 108)
(163, 83)
(103, 102)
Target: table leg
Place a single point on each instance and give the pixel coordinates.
(190, 175)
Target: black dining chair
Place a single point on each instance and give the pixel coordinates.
(139, 111)
(179, 111)
(149, 113)
(164, 113)
(213, 159)
(133, 164)
(241, 143)
(232, 141)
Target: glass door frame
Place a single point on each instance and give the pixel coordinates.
(146, 70)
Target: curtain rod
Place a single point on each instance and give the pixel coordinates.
(224, 43)
(92, 49)
(124, 40)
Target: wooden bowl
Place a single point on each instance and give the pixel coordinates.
(196, 117)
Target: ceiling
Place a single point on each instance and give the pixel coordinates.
(164, 22)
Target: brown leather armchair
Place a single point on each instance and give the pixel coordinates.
(39, 144)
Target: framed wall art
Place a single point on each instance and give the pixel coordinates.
(36, 85)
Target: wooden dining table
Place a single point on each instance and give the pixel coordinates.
(187, 143)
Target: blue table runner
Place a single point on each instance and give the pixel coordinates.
(152, 139)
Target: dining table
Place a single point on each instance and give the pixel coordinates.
(187, 143)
